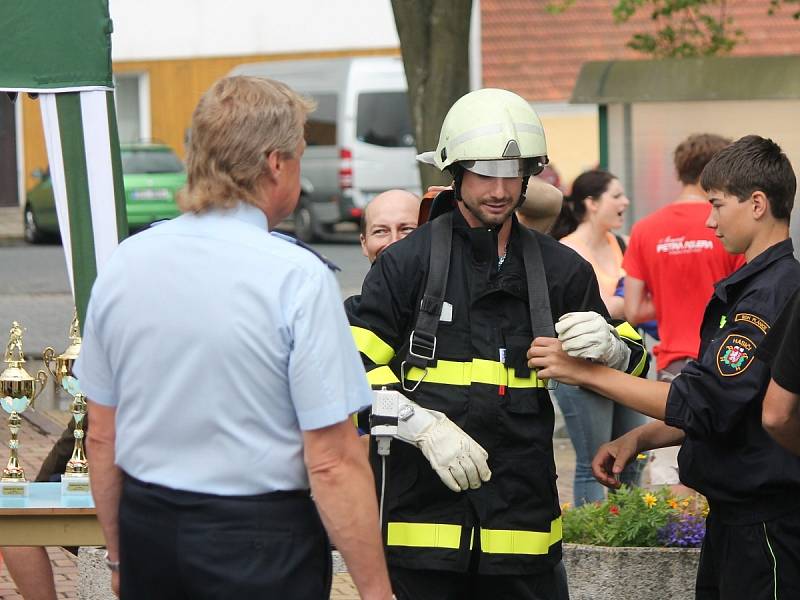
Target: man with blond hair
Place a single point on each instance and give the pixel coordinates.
(207, 445)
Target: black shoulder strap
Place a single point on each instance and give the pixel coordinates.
(422, 342)
(538, 292)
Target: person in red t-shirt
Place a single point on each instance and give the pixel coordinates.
(672, 263)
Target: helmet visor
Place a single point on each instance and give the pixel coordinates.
(512, 167)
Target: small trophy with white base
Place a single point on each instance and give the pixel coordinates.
(75, 481)
(17, 392)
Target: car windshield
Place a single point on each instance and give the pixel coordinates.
(384, 119)
(150, 161)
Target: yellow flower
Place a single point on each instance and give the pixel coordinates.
(685, 503)
(566, 506)
(650, 500)
(672, 503)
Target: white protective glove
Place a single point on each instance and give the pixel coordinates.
(459, 461)
(588, 335)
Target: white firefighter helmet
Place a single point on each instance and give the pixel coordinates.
(491, 132)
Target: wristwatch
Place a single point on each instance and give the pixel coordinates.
(405, 412)
(113, 565)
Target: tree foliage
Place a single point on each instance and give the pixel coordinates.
(686, 28)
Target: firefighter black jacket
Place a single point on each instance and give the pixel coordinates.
(481, 381)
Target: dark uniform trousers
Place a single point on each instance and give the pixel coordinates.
(759, 561)
(183, 545)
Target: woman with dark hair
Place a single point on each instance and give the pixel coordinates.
(589, 214)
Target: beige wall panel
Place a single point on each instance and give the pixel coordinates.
(572, 144)
(175, 88)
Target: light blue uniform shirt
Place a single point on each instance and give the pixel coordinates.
(218, 343)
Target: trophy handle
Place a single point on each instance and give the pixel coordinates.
(48, 355)
(41, 379)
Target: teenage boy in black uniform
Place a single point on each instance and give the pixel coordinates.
(713, 408)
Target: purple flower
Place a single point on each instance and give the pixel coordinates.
(683, 531)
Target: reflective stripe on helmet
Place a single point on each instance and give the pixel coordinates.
(492, 129)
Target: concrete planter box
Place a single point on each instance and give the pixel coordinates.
(605, 573)
(94, 578)
(595, 573)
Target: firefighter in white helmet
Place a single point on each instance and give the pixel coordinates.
(446, 316)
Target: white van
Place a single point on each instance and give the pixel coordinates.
(359, 139)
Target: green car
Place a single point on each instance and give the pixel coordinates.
(152, 176)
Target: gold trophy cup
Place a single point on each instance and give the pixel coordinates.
(76, 478)
(17, 392)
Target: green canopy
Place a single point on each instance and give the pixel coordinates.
(61, 51)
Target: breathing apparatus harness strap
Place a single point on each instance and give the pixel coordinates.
(422, 341)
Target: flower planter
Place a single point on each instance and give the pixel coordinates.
(606, 573)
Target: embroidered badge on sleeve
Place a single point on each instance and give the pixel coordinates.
(753, 320)
(735, 355)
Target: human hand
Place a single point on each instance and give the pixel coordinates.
(612, 457)
(547, 357)
(459, 460)
(588, 335)
(115, 583)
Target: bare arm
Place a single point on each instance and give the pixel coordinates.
(615, 306)
(343, 488)
(613, 456)
(642, 395)
(638, 302)
(106, 479)
(781, 416)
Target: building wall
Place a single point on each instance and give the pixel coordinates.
(191, 43)
(572, 140)
(175, 87)
(642, 153)
(210, 28)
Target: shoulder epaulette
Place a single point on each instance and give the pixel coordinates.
(287, 238)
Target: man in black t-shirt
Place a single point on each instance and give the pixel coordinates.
(781, 351)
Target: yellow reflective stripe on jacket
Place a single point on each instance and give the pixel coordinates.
(478, 370)
(381, 376)
(513, 541)
(424, 535)
(493, 541)
(371, 346)
(626, 331)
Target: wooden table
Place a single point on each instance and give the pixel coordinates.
(46, 518)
